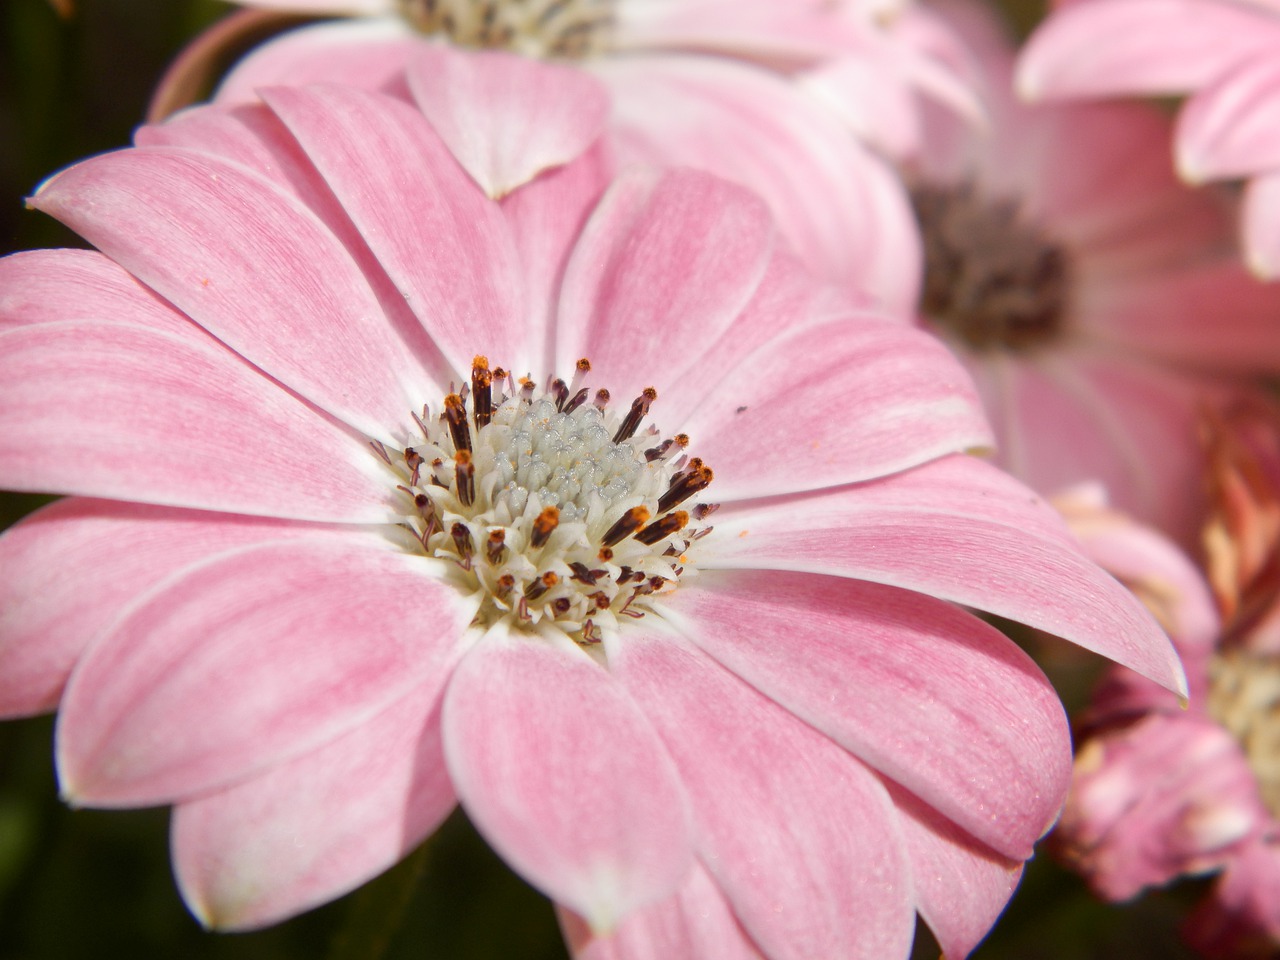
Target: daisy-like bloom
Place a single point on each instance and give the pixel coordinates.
(771, 109)
(1161, 792)
(1094, 297)
(584, 508)
(1224, 53)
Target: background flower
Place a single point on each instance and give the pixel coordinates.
(248, 420)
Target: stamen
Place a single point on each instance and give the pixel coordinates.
(602, 399)
(639, 410)
(412, 460)
(541, 585)
(455, 414)
(495, 550)
(543, 525)
(696, 477)
(481, 394)
(627, 524)
(464, 472)
(462, 540)
(663, 527)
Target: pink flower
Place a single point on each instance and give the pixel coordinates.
(1091, 295)
(313, 614)
(1225, 53)
(874, 63)
(1161, 792)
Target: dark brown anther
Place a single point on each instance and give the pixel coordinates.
(600, 599)
(605, 555)
(697, 476)
(560, 390)
(481, 392)
(506, 583)
(577, 400)
(662, 527)
(703, 510)
(639, 410)
(583, 574)
(462, 540)
(543, 525)
(495, 550)
(464, 475)
(412, 460)
(627, 524)
(541, 585)
(455, 414)
(380, 450)
(602, 399)
(561, 606)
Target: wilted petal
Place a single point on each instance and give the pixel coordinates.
(562, 773)
(309, 830)
(235, 666)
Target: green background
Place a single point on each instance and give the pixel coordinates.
(91, 884)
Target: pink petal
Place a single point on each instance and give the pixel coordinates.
(114, 410)
(838, 206)
(230, 668)
(664, 265)
(253, 267)
(1230, 128)
(1242, 913)
(915, 688)
(546, 217)
(961, 886)
(695, 922)
(69, 570)
(309, 830)
(44, 286)
(961, 530)
(442, 242)
(1262, 225)
(831, 403)
(563, 775)
(367, 54)
(799, 836)
(1140, 46)
(1162, 314)
(506, 118)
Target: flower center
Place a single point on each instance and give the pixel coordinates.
(561, 511)
(1244, 696)
(564, 29)
(992, 279)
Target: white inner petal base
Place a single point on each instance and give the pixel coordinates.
(562, 512)
(560, 29)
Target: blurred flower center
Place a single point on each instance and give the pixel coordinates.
(1244, 696)
(566, 29)
(561, 510)
(992, 279)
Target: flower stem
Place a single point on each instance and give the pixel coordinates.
(376, 910)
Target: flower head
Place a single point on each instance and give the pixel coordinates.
(357, 534)
(1093, 297)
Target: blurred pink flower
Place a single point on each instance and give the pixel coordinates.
(1161, 792)
(1093, 297)
(313, 613)
(1225, 53)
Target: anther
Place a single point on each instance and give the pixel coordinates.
(577, 400)
(506, 583)
(412, 460)
(602, 399)
(696, 477)
(481, 392)
(581, 369)
(703, 510)
(627, 524)
(464, 472)
(496, 549)
(561, 606)
(639, 410)
(543, 524)
(462, 540)
(584, 574)
(662, 527)
(455, 414)
(541, 585)
(560, 390)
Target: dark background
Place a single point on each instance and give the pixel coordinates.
(93, 884)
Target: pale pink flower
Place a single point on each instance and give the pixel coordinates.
(1161, 791)
(1224, 53)
(313, 614)
(874, 63)
(1094, 298)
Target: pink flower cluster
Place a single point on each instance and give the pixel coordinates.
(618, 446)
